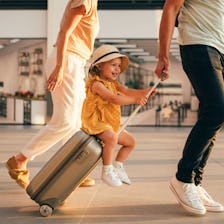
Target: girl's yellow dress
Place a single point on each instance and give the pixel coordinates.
(99, 115)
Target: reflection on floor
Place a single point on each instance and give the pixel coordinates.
(148, 200)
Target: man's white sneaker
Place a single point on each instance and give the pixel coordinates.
(208, 202)
(121, 172)
(187, 196)
(110, 177)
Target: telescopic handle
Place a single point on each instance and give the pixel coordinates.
(139, 106)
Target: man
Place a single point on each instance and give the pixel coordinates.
(201, 40)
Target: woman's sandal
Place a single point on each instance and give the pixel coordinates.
(20, 176)
(87, 182)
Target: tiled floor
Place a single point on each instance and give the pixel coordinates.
(148, 200)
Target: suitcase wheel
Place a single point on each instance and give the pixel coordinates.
(62, 203)
(46, 210)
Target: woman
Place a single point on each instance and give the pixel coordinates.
(74, 45)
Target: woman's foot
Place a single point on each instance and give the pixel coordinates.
(87, 182)
(16, 172)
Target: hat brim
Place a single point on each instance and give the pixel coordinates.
(124, 60)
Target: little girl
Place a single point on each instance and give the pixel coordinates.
(101, 110)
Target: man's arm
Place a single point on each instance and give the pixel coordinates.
(167, 24)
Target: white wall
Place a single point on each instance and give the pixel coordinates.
(9, 64)
(129, 23)
(18, 24)
(54, 15)
(23, 23)
(113, 23)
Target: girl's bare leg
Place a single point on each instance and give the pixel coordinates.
(110, 140)
(109, 175)
(127, 142)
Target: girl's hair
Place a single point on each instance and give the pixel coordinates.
(94, 71)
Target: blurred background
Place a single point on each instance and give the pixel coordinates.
(29, 30)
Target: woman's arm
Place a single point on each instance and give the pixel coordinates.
(70, 21)
(99, 89)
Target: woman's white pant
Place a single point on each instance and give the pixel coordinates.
(67, 105)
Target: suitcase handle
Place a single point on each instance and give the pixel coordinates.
(139, 106)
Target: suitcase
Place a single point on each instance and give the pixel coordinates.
(66, 170)
(63, 173)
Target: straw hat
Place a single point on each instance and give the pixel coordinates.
(106, 53)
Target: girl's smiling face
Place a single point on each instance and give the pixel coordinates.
(110, 70)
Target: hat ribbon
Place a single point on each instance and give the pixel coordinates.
(112, 52)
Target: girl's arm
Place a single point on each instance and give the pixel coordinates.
(133, 92)
(99, 89)
(70, 21)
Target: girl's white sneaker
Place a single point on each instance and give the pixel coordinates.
(121, 172)
(110, 177)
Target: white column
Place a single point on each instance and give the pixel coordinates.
(54, 15)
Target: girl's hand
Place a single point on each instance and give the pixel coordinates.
(148, 89)
(55, 79)
(141, 100)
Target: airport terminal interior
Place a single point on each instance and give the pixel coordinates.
(25, 100)
(160, 127)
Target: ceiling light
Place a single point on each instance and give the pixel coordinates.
(174, 41)
(113, 41)
(175, 53)
(175, 50)
(12, 41)
(178, 58)
(133, 50)
(148, 58)
(174, 46)
(139, 53)
(1, 46)
(125, 45)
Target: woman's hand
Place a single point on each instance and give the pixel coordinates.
(55, 79)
